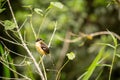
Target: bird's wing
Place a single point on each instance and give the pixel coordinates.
(44, 47)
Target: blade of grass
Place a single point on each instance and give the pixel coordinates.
(114, 54)
(1, 49)
(113, 59)
(93, 65)
(15, 71)
(6, 71)
(12, 66)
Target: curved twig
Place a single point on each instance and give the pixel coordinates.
(83, 35)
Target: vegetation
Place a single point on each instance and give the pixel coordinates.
(82, 36)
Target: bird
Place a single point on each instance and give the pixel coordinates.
(41, 47)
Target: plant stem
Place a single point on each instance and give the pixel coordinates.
(33, 28)
(43, 68)
(58, 73)
(44, 17)
(113, 59)
(79, 78)
(25, 46)
(52, 34)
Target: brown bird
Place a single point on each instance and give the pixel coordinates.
(41, 47)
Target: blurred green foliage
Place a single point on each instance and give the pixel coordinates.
(87, 16)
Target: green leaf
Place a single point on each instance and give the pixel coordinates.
(56, 4)
(93, 65)
(9, 25)
(71, 55)
(1, 49)
(12, 66)
(6, 71)
(39, 11)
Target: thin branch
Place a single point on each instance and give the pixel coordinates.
(45, 74)
(22, 24)
(21, 63)
(52, 34)
(2, 23)
(17, 53)
(83, 35)
(41, 58)
(5, 78)
(40, 26)
(33, 28)
(12, 14)
(69, 40)
(104, 32)
(25, 46)
(58, 74)
(44, 17)
(14, 53)
(11, 41)
(11, 36)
